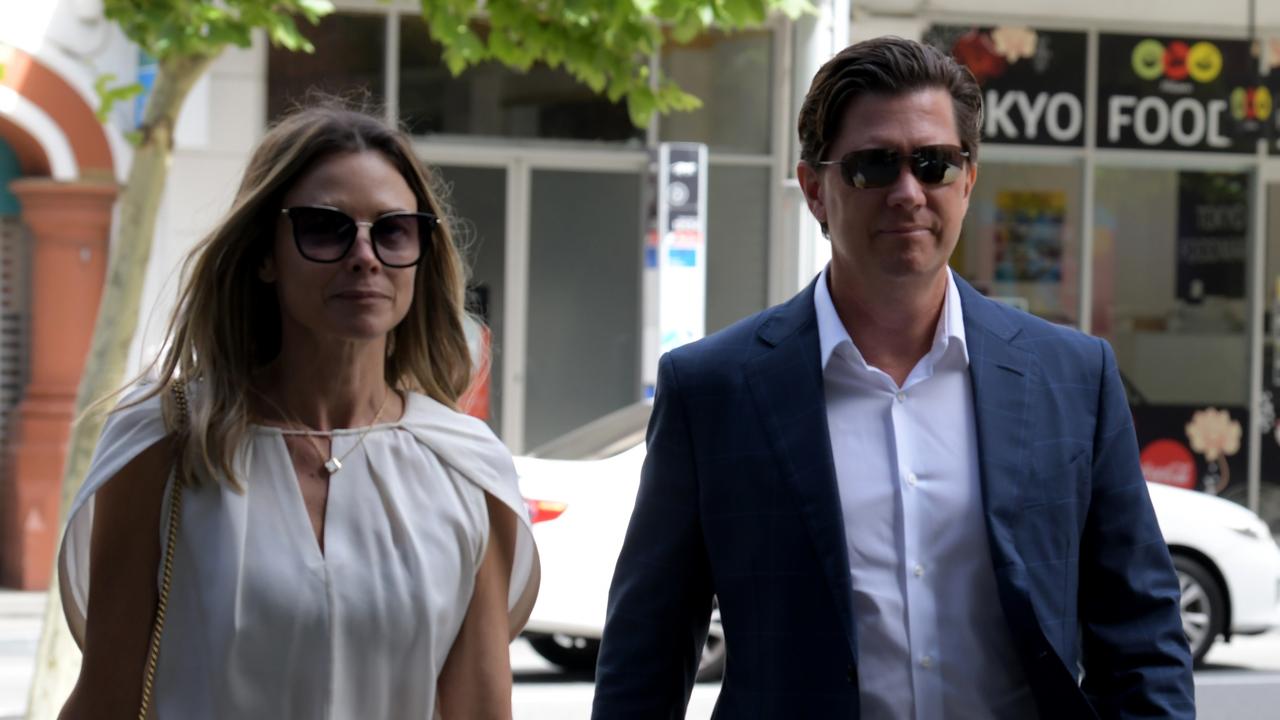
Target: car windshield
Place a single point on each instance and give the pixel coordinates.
(603, 437)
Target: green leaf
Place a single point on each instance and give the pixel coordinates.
(284, 32)
(313, 10)
(108, 96)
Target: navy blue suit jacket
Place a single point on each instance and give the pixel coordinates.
(738, 498)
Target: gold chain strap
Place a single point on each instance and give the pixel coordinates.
(175, 516)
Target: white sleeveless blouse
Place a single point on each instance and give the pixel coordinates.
(261, 624)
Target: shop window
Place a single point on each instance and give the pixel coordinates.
(733, 76)
(477, 208)
(1170, 252)
(348, 62)
(1269, 492)
(737, 243)
(583, 316)
(493, 100)
(1020, 241)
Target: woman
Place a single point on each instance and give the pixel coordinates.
(349, 545)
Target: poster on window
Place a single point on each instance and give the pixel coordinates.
(1193, 447)
(1029, 236)
(1213, 222)
(1033, 80)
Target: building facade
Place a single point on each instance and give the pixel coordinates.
(1136, 200)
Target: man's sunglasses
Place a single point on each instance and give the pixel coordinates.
(881, 167)
(326, 235)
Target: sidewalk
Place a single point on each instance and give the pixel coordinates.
(20, 615)
(1240, 679)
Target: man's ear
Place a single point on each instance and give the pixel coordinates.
(971, 179)
(811, 185)
(267, 270)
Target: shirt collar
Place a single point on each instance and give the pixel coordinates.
(832, 333)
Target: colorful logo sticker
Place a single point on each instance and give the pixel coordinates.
(1148, 59)
(1204, 62)
(1175, 60)
(1152, 60)
(1169, 462)
(1254, 103)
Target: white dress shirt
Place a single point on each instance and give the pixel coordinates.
(932, 639)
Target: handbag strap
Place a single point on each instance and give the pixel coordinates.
(166, 577)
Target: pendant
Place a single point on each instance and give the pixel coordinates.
(333, 465)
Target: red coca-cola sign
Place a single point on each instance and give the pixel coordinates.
(1169, 462)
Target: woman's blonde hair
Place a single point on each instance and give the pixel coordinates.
(226, 323)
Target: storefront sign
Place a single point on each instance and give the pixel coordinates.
(1213, 223)
(1033, 81)
(1177, 93)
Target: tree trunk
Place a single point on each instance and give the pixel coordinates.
(57, 658)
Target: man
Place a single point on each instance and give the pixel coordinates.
(908, 500)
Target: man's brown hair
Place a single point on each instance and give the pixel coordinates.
(885, 66)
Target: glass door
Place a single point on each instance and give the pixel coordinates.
(1171, 295)
(1269, 490)
(583, 326)
(478, 203)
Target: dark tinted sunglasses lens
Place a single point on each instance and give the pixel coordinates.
(322, 234)
(937, 165)
(874, 168)
(398, 238)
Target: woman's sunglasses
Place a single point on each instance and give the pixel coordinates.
(326, 235)
(881, 167)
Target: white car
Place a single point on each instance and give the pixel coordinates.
(1228, 565)
(581, 489)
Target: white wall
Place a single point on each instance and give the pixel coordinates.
(71, 38)
(221, 122)
(1223, 15)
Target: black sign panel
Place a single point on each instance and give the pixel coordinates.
(1177, 93)
(1189, 446)
(1033, 81)
(1213, 220)
(684, 209)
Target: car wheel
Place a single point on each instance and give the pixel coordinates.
(1203, 607)
(711, 665)
(576, 654)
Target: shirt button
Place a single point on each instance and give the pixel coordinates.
(918, 570)
(912, 479)
(902, 397)
(926, 662)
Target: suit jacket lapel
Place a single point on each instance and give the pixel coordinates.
(1000, 372)
(785, 381)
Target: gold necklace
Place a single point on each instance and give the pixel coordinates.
(334, 464)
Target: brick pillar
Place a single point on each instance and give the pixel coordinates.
(70, 225)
